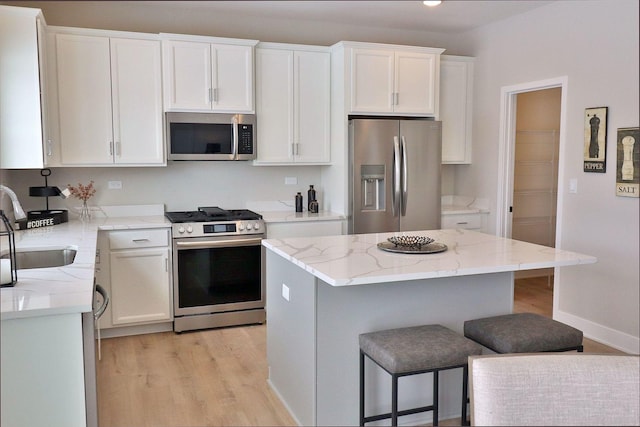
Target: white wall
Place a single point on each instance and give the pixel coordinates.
(594, 44)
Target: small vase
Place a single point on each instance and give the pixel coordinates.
(85, 213)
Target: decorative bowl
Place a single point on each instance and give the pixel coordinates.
(410, 241)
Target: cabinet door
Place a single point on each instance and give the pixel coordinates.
(188, 74)
(372, 81)
(21, 129)
(456, 86)
(140, 289)
(232, 78)
(312, 106)
(84, 99)
(415, 83)
(274, 105)
(137, 101)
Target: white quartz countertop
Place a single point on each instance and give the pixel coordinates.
(68, 289)
(458, 210)
(356, 259)
(292, 216)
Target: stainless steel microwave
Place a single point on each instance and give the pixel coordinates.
(211, 136)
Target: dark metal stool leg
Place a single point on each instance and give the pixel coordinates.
(394, 400)
(465, 391)
(361, 388)
(435, 398)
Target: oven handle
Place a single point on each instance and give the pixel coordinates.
(218, 243)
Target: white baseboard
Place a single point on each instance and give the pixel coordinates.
(600, 333)
(124, 331)
(284, 403)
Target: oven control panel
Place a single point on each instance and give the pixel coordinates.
(226, 228)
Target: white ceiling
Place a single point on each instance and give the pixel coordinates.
(452, 16)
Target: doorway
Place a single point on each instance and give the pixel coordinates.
(532, 119)
(535, 171)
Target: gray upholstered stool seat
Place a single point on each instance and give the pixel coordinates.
(415, 350)
(523, 333)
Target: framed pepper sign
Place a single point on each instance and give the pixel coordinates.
(628, 163)
(595, 139)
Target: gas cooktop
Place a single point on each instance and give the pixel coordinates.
(212, 214)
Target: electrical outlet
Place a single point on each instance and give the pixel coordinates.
(115, 185)
(290, 180)
(285, 292)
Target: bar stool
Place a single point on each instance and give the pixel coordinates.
(415, 350)
(523, 333)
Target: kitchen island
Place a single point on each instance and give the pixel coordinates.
(323, 292)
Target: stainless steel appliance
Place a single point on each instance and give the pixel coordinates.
(89, 328)
(394, 174)
(211, 136)
(217, 268)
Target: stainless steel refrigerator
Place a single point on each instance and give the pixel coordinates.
(394, 172)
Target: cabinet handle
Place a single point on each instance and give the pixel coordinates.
(396, 98)
(462, 223)
(166, 265)
(49, 147)
(297, 144)
(215, 95)
(111, 148)
(118, 149)
(140, 240)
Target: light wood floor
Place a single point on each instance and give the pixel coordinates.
(218, 377)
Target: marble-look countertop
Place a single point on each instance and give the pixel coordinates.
(356, 259)
(461, 210)
(460, 205)
(68, 289)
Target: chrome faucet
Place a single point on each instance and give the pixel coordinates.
(18, 212)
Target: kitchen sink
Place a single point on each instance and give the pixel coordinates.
(43, 258)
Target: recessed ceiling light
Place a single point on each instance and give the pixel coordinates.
(432, 2)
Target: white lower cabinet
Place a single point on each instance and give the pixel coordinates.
(470, 221)
(137, 272)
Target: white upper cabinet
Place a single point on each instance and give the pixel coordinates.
(456, 92)
(397, 80)
(293, 104)
(109, 93)
(206, 76)
(21, 112)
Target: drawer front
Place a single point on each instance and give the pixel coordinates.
(138, 239)
(469, 222)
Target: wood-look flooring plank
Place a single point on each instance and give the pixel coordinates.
(216, 377)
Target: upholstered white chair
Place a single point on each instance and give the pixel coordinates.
(555, 389)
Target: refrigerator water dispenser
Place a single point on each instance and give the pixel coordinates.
(372, 182)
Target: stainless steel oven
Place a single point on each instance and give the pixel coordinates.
(217, 268)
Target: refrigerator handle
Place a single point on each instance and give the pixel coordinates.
(395, 195)
(405, 171)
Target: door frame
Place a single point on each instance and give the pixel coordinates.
(506, 150)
